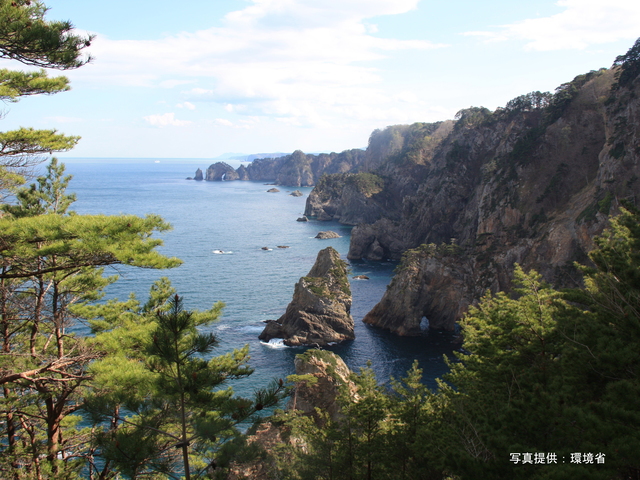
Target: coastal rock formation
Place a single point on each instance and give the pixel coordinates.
(297, 169)
(273, 190)
(319, 312)
(329, 373)
(302, 219)
(321, 374)
(296, 193)
(327, 234)
(427, 284)
(221, 171)
(198, 176)
(530, 183)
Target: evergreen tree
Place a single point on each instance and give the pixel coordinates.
(51, 262)
(26, 36)
(180, 420)
(602, 355)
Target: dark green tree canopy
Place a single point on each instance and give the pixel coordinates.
(26, 36)
(629, 64)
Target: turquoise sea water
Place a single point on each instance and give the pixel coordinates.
(256, 285)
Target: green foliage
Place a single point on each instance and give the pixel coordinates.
(26, 36)
(15, 84)
(629, 66)
(366, 183)
(471, 117)
(604, 205)
(181, 418)
(51, 268)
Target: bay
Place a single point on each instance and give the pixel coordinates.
(240, 218)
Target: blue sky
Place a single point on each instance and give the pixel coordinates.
(200, 78)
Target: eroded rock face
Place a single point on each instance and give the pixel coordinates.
(326, 374)
(330, 373)
(221, 171)
(530, 185)
(427, 284)
(319, 313)
(327, 234)
(198, 175)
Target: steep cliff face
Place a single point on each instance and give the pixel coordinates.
(319, 312)
(221, 171)
(330, 374)
(296, 170)
(531, 183)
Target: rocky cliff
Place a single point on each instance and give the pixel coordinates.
(320, 375)
(319, 312)
(329, 374)
(296, 170)
(530, 183)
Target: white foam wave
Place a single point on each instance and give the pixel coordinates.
(222, 252)
(275, 343)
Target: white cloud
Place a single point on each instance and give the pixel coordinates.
(224, 122)
(187, 105)
(582, 23)
(165, 120)
(298, 59)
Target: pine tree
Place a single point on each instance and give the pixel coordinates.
(26, 36)
(180, 418)
(51, 263)
(602, 356)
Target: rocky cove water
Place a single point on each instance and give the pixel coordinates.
(236, 219)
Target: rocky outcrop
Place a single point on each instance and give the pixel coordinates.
(296, 169)
(296, 193)
(243, 174)
(346, 198)
(198, 175)
(302, 219)
(319, 313)
(320, 376)
(325, 373)
(221, 171)
(530, 183)
(273, 190)
(428, 285)
(327, 234)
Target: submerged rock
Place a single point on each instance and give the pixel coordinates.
(319, 312)
(327, 234)
(361, 277)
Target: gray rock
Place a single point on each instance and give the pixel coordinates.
(327, 234)
(302, 219)
(297, 193)
(273, 190)
(319, 312)
(198, 176)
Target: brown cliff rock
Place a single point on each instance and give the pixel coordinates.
(319, 311)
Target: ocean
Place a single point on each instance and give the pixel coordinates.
(239, 218)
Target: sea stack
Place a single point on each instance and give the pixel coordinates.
(319, 312)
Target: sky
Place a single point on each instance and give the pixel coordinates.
(202, 78)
